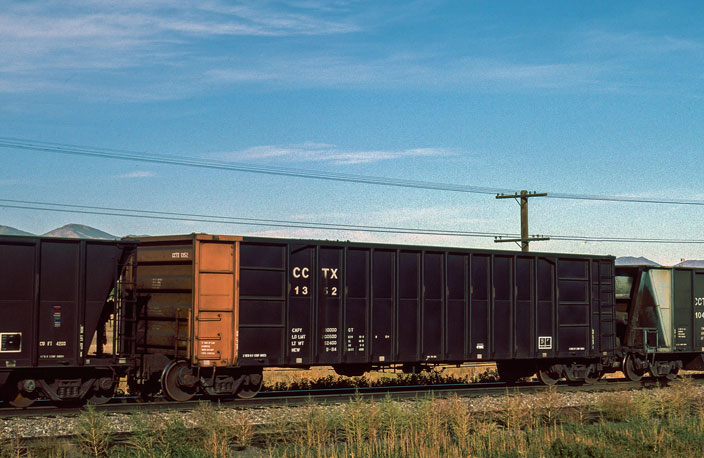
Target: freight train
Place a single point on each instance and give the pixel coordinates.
(205, 313)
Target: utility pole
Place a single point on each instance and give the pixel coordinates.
(525, 238)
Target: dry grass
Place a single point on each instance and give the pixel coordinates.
(667, 422)
(93, 432)
(325, 376)
(664, 422)
(288, 375)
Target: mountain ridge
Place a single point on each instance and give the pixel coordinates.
(8, 230)
(72, 230)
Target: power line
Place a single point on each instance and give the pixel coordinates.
(162, 215)
(234, 166)
(173, 216)
(106, 153)
(640, 200)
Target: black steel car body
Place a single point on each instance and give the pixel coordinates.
(59, 313)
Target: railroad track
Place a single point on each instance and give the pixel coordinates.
(336, 395)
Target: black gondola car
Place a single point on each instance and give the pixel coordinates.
(59, 312)
(358, 306)
(215, 310)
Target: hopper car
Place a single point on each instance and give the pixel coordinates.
(61, 308)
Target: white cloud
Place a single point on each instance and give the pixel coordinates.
(138, 174)
(441, 218)
(408, 70)
(160, 50)
(373, 237)
(636, 44)
(74, 35)
(323, 152)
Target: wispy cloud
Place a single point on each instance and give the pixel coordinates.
(437, 217)
(138, 174)
(95, 35)
(159, 50)
(323, 152)
(429, 71)
(374, 237)
(636, 44)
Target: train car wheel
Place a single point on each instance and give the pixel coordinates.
(547, 377)
(176, 382)
(631, 369)
(593, 375)
(97, 398)
(672, 375)
(18, 400)
(103, 391)
(251, 385)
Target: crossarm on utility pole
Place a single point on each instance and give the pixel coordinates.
(525, 238)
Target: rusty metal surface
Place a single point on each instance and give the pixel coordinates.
(215, 307)
(188, 291)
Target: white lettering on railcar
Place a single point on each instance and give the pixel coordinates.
(355, 342)
(331, 271)
(330, 338)
(545, 343)
(208, 349)
(298, 339)
(254, 355)
(301, 272)
(699, 301)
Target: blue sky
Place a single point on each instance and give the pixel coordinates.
(593, 98)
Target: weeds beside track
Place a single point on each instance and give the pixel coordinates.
(663, 421)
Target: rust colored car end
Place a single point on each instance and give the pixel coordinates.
(188, 292)
(215, 305)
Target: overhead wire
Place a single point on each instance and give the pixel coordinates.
(107, 153)
(113, 211)
(291, 224)
(6, 142)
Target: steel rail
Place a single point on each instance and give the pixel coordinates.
(337, 395)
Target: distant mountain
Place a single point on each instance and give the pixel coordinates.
(80, 231)
(691, 263)
(7, 230)
(633, 261)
